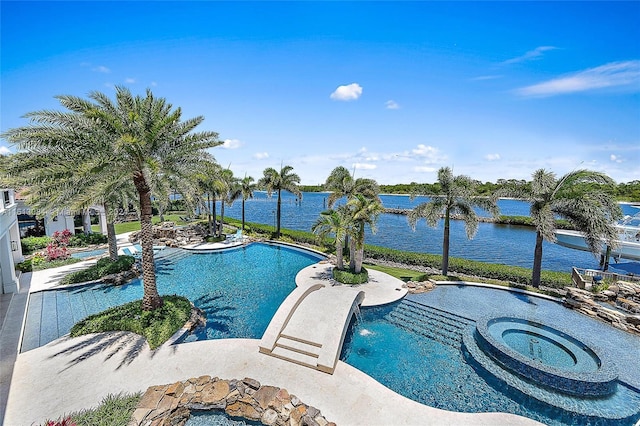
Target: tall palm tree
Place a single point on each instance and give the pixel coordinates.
(284, 180)
(228, 194)
(136, 138)
(363, 211)
(583, 197)
(338, 223)
(246, 188)
(342, 184)
(458, 198)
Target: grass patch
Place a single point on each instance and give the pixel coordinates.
(156, 326)
(103, 267)
(114, 410)
(30, 266)
(400, 273)
(347, 276)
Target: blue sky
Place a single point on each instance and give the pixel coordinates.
(393, 91)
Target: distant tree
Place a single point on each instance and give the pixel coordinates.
(457, 197)
(247, 187)
(278, 181)
(587, 207)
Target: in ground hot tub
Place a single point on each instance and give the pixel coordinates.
(546, 356)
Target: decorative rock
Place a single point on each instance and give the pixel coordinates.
(170, 405)
(269, 417)
(243, 409)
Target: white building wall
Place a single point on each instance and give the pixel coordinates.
(10, 249)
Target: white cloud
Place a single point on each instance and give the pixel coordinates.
(261, 155)
(364, 166)
(102, 69)
(616, 158)
(130, 80)
(349, 92)
(492, 157)
(613, 74)
(390, 104)
(530, 55)
(231, 144)
(4, 150)
(425, 151)
(154, 84)
(424, 169)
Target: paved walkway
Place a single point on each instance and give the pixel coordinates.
(72, 374)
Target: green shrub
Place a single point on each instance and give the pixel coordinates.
(115, 410)
(39, 263)
(103, 267)
(157, 326)
(212, 239)
(82, 240)
(347, 276)
(32, 244)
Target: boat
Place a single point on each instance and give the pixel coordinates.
(627, 245)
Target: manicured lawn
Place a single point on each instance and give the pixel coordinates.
(400, 273)
(121, 228)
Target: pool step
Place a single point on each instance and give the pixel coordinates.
(172, 257)
(433, 323)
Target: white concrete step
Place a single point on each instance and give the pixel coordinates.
(296, 345)
(300, 339)
(296, 357)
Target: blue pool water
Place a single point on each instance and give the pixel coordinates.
(239, 290)
(416, 350)
(89, 253)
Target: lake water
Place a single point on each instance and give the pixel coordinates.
(505, 244)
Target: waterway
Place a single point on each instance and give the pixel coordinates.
(494, 243)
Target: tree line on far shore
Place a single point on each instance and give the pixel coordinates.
(628, 192)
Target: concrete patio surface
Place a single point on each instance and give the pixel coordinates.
(71, 374)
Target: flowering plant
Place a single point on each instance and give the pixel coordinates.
(57, 248)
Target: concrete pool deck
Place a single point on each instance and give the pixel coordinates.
(73, 374)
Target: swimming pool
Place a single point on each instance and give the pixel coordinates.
(239, 289)
(89, 253)
(415, 348)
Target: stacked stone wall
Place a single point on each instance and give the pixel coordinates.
(173, 404)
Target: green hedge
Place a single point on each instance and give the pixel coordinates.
(103, 267)
(82, 240)
(515, 274)
(33, 244)
(346, 276)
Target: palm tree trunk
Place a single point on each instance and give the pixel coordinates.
(537, 261)
(352, 254)
(243, 214)
(215, 219)
(278, 213)
(339, 256)
(151, 299)
(111, 237)
(445, 244)
(359, 255)
(209, 213)
(221, 218)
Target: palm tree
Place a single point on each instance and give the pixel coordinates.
(284, 180)
(229, 192)
(363, 211)
(583, 197)
(246, 188)
(135, 138)
(342, 184)
(337, 223)
(456, 198)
